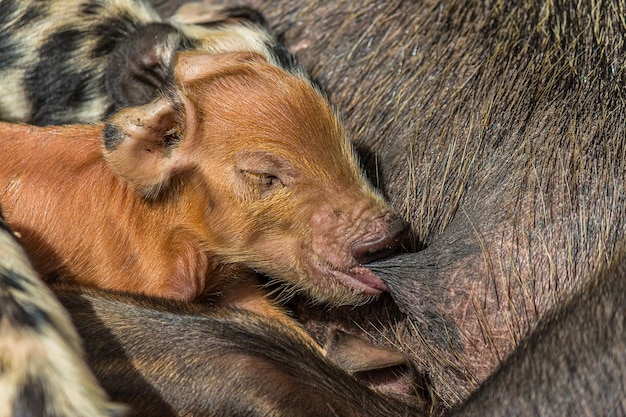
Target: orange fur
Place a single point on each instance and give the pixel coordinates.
(240, 166)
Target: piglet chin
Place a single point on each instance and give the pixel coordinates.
(361, 279)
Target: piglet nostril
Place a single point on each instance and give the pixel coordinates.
(382, 246)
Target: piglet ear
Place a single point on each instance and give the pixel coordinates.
(193, 66)
(143, 145)
(203, 13)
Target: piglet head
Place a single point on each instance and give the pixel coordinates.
(266, 157)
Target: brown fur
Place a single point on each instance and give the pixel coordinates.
(240, 167)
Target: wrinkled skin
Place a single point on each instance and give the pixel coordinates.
(497, 129)
(572, 365)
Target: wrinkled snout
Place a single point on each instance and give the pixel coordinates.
(344, 244)
(393, 231)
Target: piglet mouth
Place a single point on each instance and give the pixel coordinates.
(361, 279)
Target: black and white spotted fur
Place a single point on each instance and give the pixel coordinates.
(76, 61)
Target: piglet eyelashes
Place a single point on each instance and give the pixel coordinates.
(262, 179)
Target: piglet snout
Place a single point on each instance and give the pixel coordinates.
(383, 245)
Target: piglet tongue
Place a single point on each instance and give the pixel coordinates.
(368, 278)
